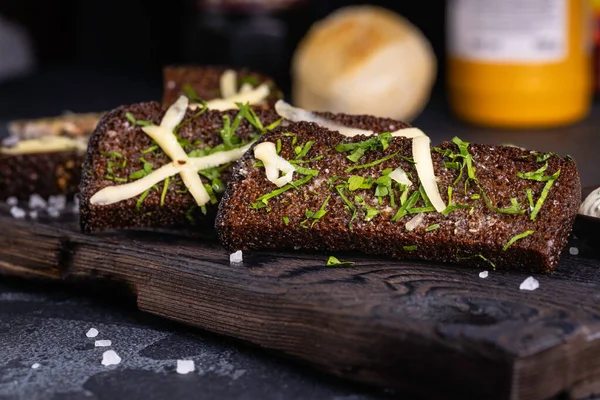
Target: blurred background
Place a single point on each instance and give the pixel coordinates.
(50, 48)
(129, 41)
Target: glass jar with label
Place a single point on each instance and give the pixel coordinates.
(519, 63)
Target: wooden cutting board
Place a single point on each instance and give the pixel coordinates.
(437, 330)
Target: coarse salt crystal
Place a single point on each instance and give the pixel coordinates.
(102, 343)
(110, 357)
(573, 251)
(236, 257)
(58, 201)
(529, 284)
(17, 212)
(36, 201)
(35, 366)
(93, 332)
(33, 214)
(185, 366)
(483, 274)
(53, 212)
(12, 201)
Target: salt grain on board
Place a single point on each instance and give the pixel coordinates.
(33, 214)
(93, 332)
(529, 284)
(483, 274)
(12, 201)
(102, 343)
(573, 251)
(35, 366)
(185, 366)
(36, 201)
(17, 212)
(236, 257)
(110, 357)
(53, 212)
(58, 201)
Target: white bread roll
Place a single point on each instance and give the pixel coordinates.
(364, 60)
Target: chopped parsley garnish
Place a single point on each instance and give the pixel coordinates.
(141, 199)
(545, 190)
(164, 191)
(371, 212)
(252, 80)
(515, 238)
(302, 151)
(138, 122)
(140, 173)
(149, 149)
(262, 201)
(371, 164)
(481, 256)
(410, 248)
(410, 203)
(315, 215)
(432, 227)
(191, 94)
(334, 262)
(358, 149)
(349, 205)
(286, 219)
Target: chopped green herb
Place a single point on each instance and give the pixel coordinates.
(332, 261)
(358, 149)
(164, 191)
(458, 258)
(304, 149)
(262, 201)
(517, 237)
(149, 149)
(189, 214)
(515, 207)
(141, 199)
(545, 190)
(278, 147)
(294, 162)
(140, 173)
(355, 182)
(371, 212)
(138, 122)
(252, 80)
(453, 207)
(432, 227)
(452, 165)
(537, 175)
(530, 198)
(115, 178)
(286, 219)
(402, 211)
(410, 248)
(371, 164)
(191, 94)
(475, 196)
(316, 215)
(349, 205)
(274, 125)
(543, 157)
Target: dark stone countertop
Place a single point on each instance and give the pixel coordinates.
(46, 324)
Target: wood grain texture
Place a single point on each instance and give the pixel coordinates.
(435, 330)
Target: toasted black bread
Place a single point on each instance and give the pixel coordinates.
(116, 150)
(204, 81)
(492, 223)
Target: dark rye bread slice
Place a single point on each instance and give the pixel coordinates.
(46, 174)
(115, 134)
(475, 237)
(206, 82)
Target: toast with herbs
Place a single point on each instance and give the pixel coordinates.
(204, 83)
(498, 207)
(44, 156)
(122, 156)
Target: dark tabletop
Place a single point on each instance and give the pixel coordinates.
(47, 324)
